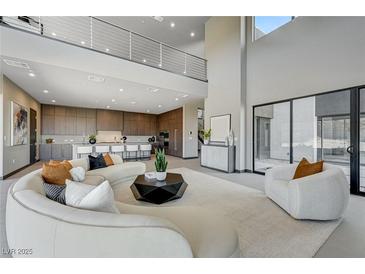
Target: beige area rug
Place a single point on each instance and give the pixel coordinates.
(264, 229)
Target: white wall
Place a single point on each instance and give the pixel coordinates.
(224, 49)
(190, 128)
(307, 56)
(16, 157)
(1, 110)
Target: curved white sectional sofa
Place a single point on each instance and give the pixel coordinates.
(322, 196)
(51, 229)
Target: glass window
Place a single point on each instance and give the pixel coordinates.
(272, 136)
(266, 24)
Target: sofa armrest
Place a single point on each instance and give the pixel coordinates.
(284, 173)
(54, 230)
(323, 196)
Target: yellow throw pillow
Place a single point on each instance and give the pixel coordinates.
(55, 174)
(108, 160)
(306, 168)
(67, 164)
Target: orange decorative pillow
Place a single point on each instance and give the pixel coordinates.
(67, 164)
(55, 174)
(305, 168)
(108, 160)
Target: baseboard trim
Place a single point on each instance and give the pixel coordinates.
(189, 158)
(243, 171)
(16, 171)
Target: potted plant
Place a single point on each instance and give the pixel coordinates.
(92, 139)
(161, 165)
(206, 136)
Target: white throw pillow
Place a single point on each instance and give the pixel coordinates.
(78, 174)
(97, 198)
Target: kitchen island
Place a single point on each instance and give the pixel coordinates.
(77, 145)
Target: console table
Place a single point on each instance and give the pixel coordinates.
(219, 157)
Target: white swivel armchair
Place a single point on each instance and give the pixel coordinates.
(322, 196)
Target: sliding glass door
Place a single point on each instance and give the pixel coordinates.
(272, 136)
(329, 127)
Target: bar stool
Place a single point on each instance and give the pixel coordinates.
(118, 150)
(84, 151)
(143, 150)
(133, 149)
(102, 149)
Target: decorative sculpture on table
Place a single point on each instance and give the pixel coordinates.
(19, 124)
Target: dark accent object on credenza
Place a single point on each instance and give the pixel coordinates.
(150, 140)
(124, 138)
(153, 139)
(92, 141)
(158, 192)
(97, 162)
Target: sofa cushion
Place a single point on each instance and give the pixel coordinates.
(97, 162)
(66, 163)
(117, 160)
(83, 162)
(55, 174)
(97, 198)
(55, 192)
(108, 160)
(305, 168)
(116, 172)
(93, 180)
(78, 174)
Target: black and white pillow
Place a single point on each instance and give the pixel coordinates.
(55, 192)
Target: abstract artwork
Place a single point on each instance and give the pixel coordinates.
(19, 124)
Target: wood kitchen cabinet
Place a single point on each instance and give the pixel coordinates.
(55, 152)
(172, 121)
(108, 120)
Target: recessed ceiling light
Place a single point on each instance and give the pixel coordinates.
(192, 34)
(158, 18)
(142, 21)
(107, 50)
(107, 106)
(45, 91)
(176, 99)
(184, 72)
(96, 78)
(160, 65)
(53, 101)
(31, 74)
(16, 63)
(147, 110)
(144, 60)
(54, 34)
(154, 90)
(133, 102)
(82, 42)
(113, 100)
(121, 90)
(185, 95)
(160, 106)
(172, 24)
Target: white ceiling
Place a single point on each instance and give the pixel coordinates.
(72, 87)
(178, 36)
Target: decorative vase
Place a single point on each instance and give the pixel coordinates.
(161, 176)
(92, 141)
(206, 141)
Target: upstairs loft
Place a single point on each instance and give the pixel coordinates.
(104, 37)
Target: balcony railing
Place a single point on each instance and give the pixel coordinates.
(99, 35)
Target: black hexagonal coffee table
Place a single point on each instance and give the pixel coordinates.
(158, 192)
